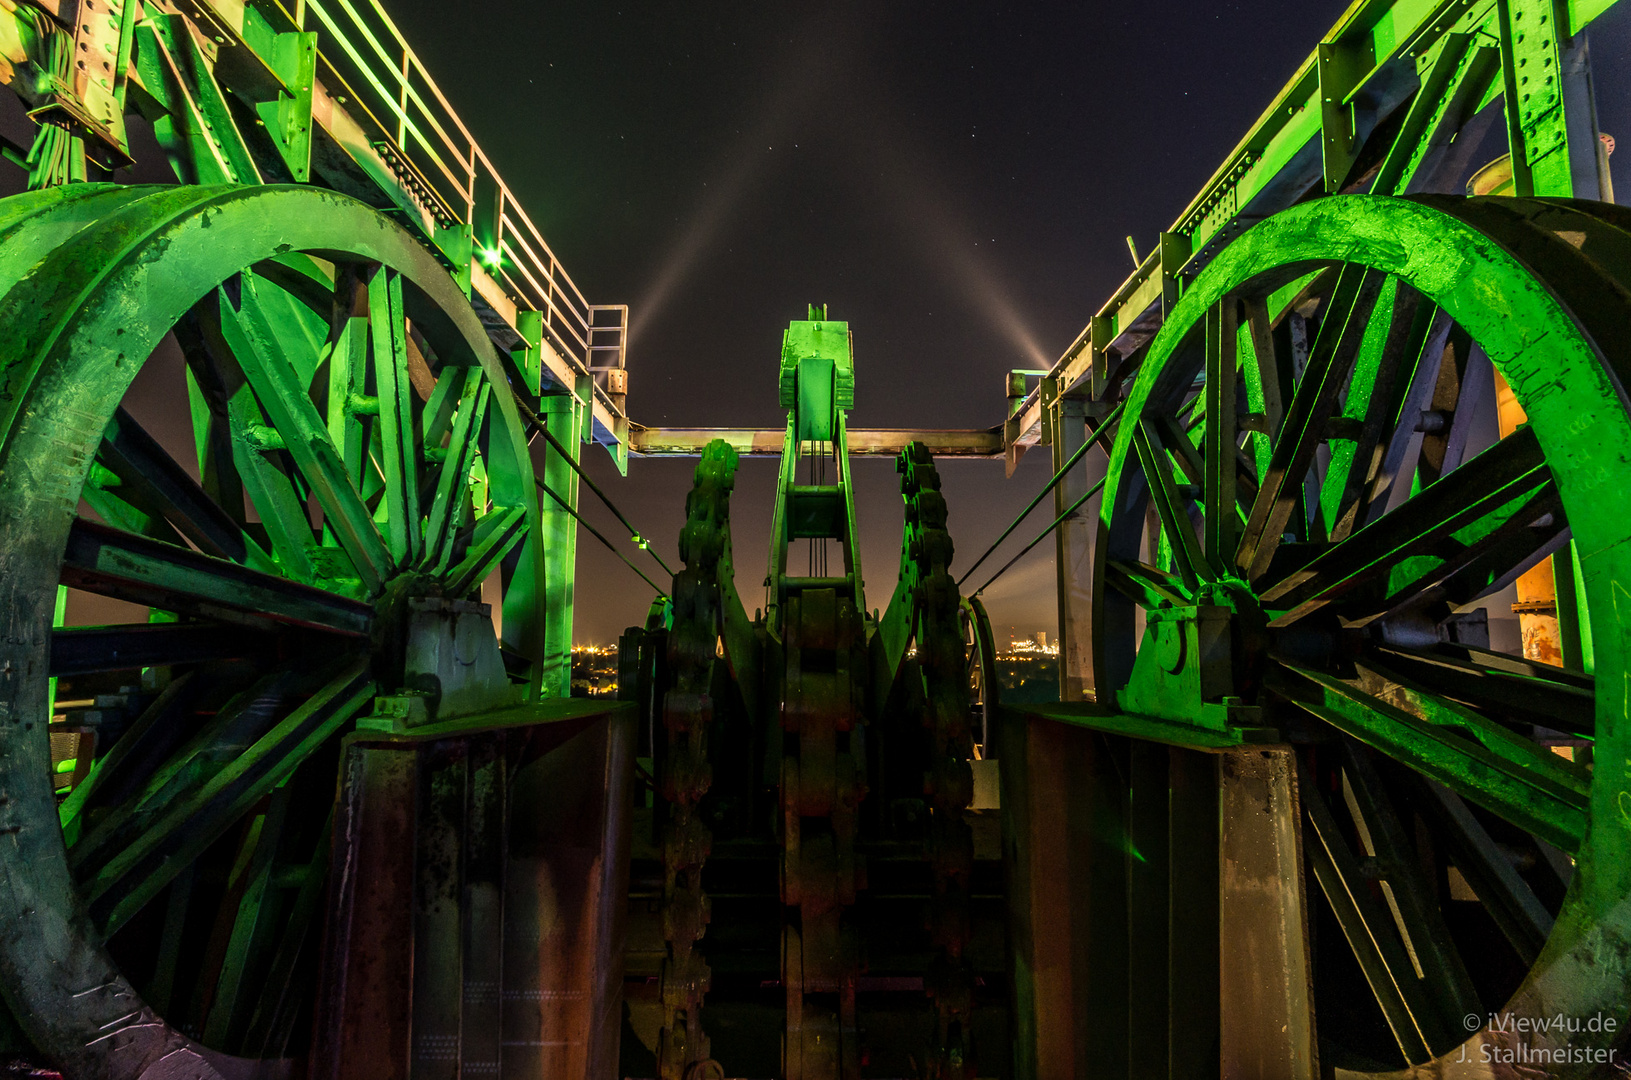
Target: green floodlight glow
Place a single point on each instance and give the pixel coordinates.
(641, 542)
(491, 256)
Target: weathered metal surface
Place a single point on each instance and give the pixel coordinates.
(1113, 899)
(366, 1028)
(948, 780)
(1266, 990)
(139, 262)
(566, 883)
(821, 624)
(1240, 624)
(475, 927)
(685, 773)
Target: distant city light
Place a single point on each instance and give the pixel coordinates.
(1032, 646)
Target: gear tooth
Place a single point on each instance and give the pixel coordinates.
(687, 773)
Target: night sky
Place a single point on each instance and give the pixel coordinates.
(954, 179)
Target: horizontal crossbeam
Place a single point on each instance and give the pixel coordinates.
(767, 442)
(149, 572)
(81, 650)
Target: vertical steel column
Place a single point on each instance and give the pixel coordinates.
(565, 895)
(1193, 942)
(1073, 544)
(1149, 896)
(364, 1017)
(611, 894)
(1557, 152)
(1063, 806)
(1263, 919)
(481, 905)
(1550, 104)
(565, 415)
(437, 943)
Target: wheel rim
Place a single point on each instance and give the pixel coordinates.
(1497, 270)
(94, 277)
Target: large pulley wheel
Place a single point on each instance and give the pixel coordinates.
(1301, 531)
(356, 461)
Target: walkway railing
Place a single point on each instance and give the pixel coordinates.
(363, 56)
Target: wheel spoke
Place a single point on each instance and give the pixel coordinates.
(133, 756)
(1176, 440)
(1440, 531)
(143, 571)
(273, 1015)
(105, 493)
(187, 824)
(1538, 695)
(1341, 333)
(444, 402)
(1563, 776)
(249, 919)
(399, 446)
(152, 480)
(1529, 798)
(496, 533)
(1491, 563)
(251, 445)
(1382, 375)
(1383, 960)
(1411, 897)
(1470, 563)
(1516, 665)
(1175, 523)
(349, 406)
(239, 722)
(1146, 585)
(212, 429)
(450, 482)
(1461, 382)
(82, 650)
(1510, 901)
(1221, 437)
(262, 354)
(1390, 469)
(1261, 373)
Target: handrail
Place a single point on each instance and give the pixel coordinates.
(387, 85)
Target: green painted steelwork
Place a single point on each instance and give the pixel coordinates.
(1219, 606)
(309, 396)
(337, 96)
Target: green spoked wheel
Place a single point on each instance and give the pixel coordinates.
(354, 458)
(1311, 523)
(980, 647)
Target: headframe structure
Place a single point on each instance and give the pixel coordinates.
(1339, 548)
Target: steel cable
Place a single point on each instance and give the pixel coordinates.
(541, 428)
(1098, 433)
(551, 492)
(1086, 495)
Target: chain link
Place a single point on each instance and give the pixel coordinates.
(822, 785)
(683, 1051)
(949, 782)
